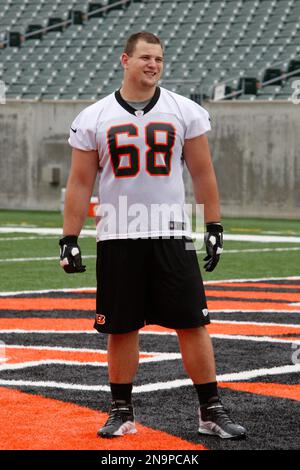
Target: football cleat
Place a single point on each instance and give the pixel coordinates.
(120, 420)
(214, 420)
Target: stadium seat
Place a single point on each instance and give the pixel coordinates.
(205, 40)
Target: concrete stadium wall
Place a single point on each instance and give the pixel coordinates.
(256, 154)
(255, 148)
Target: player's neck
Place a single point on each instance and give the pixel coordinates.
(129, 93)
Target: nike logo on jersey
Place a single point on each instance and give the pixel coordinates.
(74, 130)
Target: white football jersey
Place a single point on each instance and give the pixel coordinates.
(141, 190)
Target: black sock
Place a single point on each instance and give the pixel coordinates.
(206, 392)
(121, 392)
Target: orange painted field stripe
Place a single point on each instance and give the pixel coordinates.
(236, 329)
(291, 297)
(56, 324)
(92, 290)
(248, 305)
(34, 422)
(269, 389)
(19, 355)
(83, 324)
(46, 303)
(250, 330)
(259, 285)
(90, 304)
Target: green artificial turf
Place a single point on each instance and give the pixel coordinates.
(47, 274)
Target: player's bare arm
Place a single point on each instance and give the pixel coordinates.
(79, 189)
(198, 159)
(199, 163)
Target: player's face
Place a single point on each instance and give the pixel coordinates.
(145, 65)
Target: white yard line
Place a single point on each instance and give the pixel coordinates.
(239, 376)
(259, 238)
(55, 258)
(234, 322)
(58, 348)
(50, 332)
(252, 374)
(14, 239)
(91, 290)
(60, 385)
(44, 231)
(46, 258)
(158, 357)
(259, 250)
(253, 311)
(256, 279)
(46, 362)
(198, 236)
(233, 377)
(257, 339)
(153, 357)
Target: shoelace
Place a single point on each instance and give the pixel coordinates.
(114, 413)
(220, 413)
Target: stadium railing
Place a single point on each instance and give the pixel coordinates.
(260, 85)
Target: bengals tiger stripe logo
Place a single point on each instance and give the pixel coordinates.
(100, 319)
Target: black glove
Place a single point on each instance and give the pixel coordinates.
(70, 255)
(214, 245)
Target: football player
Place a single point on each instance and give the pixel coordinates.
(138, 139)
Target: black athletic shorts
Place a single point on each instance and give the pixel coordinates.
(148, 281)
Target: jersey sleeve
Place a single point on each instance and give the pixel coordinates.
(83, 131)
(197, 120)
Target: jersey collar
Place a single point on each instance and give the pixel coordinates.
(130, 109)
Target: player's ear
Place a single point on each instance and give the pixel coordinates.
(124, 60)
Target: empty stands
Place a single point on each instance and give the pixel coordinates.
(206, 42)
